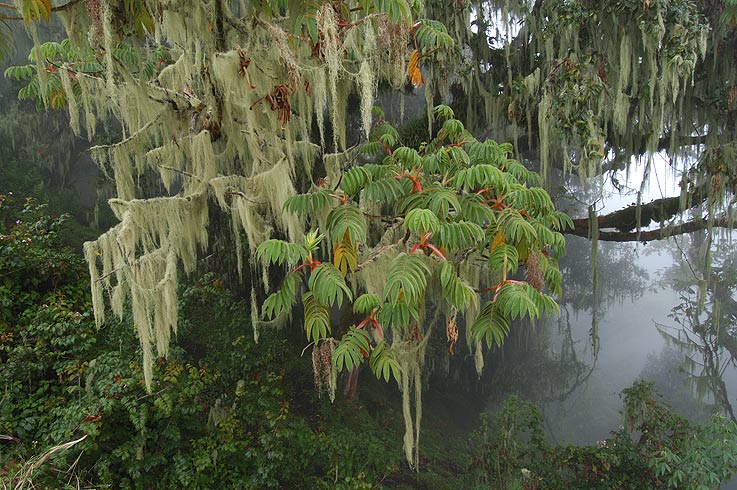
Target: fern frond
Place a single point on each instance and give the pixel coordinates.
(383, 363)
(317, 317)
(327, 284)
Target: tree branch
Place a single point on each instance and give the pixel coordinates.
(649, 235)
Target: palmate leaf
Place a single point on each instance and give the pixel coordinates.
(35, 10)
(558, 220)
(457, 156)
(383, 363)
(482, 177)
(453, 131)
(387, 190)
(353, 348)
(328, 286)
(433, 34)
(438, 199)
(490, 325)
(459, 235)
(521, 173)
(515, 227)
(21, 72)
(456, 291)
(317, 317)
(283, 300)
(554, 278)
(437, 162)
(534, 200)
(443, 112)
(345, 256)
(366, 303)
(504, 258)
(355, 179)
(346, 219)
(308, 204)
(474, 210)
(407, 158)
(398, 314)
(421, 221)
(487, 153)
(280, 252)
(406, 281)
(517, 300)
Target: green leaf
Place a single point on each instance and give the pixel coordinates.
(383, 363)
(308, 204)
(366, 303)
(482, 176)
(459, 235)
(516, 300)
(355, 179)
(407, 157)
(280, 252)
(283, 300)
(443, 112)
(317, 317)
(504, 258)
(327, 284)
(421, 221)
(346, 218)
(398, 314)
(406, 280)
(515, 227)
(352, 349)
(455, 290)
(490, 325)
